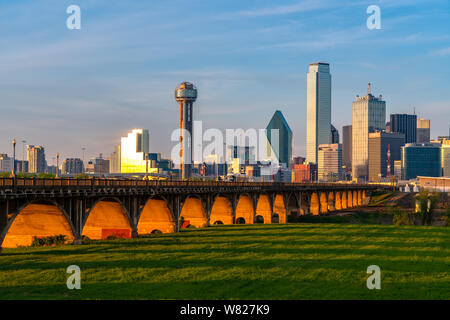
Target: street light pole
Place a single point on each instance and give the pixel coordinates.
(57, 165)
(23, 156)
(13, 173)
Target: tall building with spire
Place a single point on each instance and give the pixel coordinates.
(368, 115)
(318, 104)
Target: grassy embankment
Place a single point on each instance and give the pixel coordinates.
(301, 261)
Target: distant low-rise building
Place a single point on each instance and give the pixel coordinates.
(440, 184)
(72, 166)
(304, 172)
(98, 166)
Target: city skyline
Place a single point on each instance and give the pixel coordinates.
(71, 89)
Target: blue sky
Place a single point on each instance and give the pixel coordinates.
(68, 89)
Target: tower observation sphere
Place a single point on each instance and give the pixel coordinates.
(186, 95)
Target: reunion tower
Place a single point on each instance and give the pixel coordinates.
(186, 94)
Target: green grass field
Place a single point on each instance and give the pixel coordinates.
(294, 261)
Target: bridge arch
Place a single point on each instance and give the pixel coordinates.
(263, 209)
(156, 215)
(349, 199)
(194, 212)
(279, 210)
(315, 204)
(221, 211)
(344, 199)
(331, 201)
(338, 201)
(260, 219)
(244, 208)
(355, 198)
(107, 217)
(36, 219)
(360, 199)
(323, 202)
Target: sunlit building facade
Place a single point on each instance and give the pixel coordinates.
(133, 149)
(329, 162)
(318, 104)
(368, 115)
(36, 159)
(423, 130)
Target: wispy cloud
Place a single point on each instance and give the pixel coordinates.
(440, 53)
(303, 6)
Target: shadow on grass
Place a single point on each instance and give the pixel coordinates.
(232, 289)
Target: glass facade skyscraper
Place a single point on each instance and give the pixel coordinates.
(368, 115)
(318, 104)
(406, 124)
(133, 149)
(421, 160)
(347, 146)
(278, 122)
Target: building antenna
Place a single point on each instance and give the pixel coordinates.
(368, 89)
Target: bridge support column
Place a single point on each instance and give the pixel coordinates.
(208, 203)
(78, 208)
(175, 207)
(233, 201)
(134, 215)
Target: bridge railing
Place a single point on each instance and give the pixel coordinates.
(121, 183)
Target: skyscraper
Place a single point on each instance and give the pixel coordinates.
(421, 160)
(278, 122)
(347, 146)
(334, 135)
(406, 124)
(384, 150)
(329, 162)
(36, 159)
(368, 115)
(114, 160)
(72, 166)
(186, 94)
(423, 130)
(133, 149)
(318, 104)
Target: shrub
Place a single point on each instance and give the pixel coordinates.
(49, 241)
(111, 237)
(86, 240)
(400, 218)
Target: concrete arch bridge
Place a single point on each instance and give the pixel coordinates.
(98, 208)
